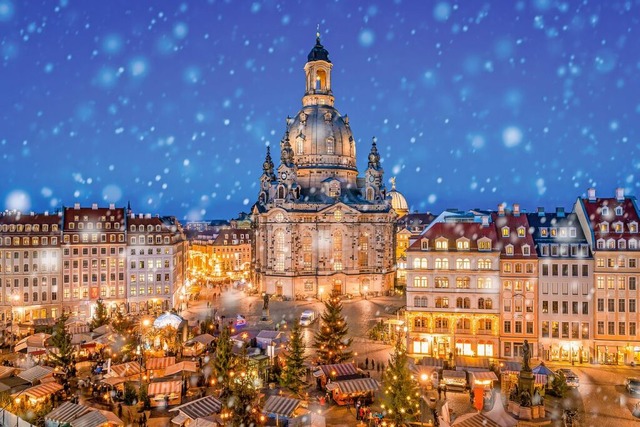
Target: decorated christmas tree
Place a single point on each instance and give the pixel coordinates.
(223, 362)
(331, 342)
(401, 393)
(294, 370)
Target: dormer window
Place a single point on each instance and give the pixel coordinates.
(521, 231)
(633, 227)
(509, 249)
(600, 244)
(334, 189)
(622, 244)
(618, 227)
(554, 232)
(572, 232)
(330, 145)
(611, 244)
(619, 211)
(604, 227)
(563, 232)
(424, 244)
(462, 244)
(505, 231)
(442, 244)
(484, 244)
(544, 232)
(604, 211)
(526, 250)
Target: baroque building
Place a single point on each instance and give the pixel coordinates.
(320, 229)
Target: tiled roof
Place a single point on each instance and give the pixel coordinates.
(93, 215)
(452, 231)
(594, 213)
(514, 222)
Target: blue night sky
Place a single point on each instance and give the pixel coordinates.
(170, 104)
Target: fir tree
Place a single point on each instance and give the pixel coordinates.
(330, 341)
(401, 394)
(100, 317)
(223, 362)
(243, 400)
(61, 341)
(294, 369)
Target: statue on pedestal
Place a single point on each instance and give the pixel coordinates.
(526, 356)
(265, 305)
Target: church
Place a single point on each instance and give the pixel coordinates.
(320, 228)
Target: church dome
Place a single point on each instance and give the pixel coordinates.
(398, 202)
(321, 137)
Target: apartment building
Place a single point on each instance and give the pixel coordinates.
(518, 281)
(611, 229)
(453, 289)
(565, 285)
(30, 266)
(157, 251)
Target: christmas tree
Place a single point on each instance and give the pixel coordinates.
(223, 362)
(243, 402)
(61, 342)
(100, 317)
(401, 394)
(294, 369)
(330, 342)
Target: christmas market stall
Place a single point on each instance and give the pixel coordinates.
(165, 393)
(335, 372)
(349, 391)
(454, 380)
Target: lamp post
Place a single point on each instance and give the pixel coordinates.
(14, 299)
(320, 292)
(423, 380)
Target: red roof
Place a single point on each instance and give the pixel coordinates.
(91, 215)
(513, 223)
(595, 215)
(452, 231)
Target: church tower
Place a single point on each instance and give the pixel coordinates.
(321, 229)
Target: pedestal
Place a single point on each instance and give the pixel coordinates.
(526, 381)
(265, 315)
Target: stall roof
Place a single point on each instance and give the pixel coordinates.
(354, 386)
(154, 363)
(125, 369)
(165, 387)
(36, 373)
(474, 420)
(113, 381)
(6, 371)
(67, 412)
(510, 367)
(337, 370)
(270, 335)
(199, 408)
(203, 339)
(484, 375)
(186, 366)
(447, 373)
(465, 363)
(281, 406)
(42, 390)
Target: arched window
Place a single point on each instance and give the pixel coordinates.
(369, 193)
(467, 303)
(281, 192)
(481, 303)
(423, 263)
(279, 251)
(442, 263)
(488, 304)
(337, 251)
(299, 145)
(416, 263)
(463, 282)
(363, 252)
(441, 282)
(307, 253)
(330, 145)
(459, 302)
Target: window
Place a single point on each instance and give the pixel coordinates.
(485, 283)
(600, 303)
(463, 264)
(509, 249)
(420, 282)
(611, 305)
(585, 307)
(521, 231)
(565, 307)
(441, 282)
(545, 306)
(279, 251)
(420, 301)
(463, 282)
(545, 269)
(462, 244)
(600, 327)
(621, 305)
(505, 231)
(526, 251)
(545, 329)
(442, 302)
(544, 232)
(632, 305)
(507, 326)
(621, 328)
(554, 307)
(442, 264)
(442, 245)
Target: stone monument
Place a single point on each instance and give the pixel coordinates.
(265, 307)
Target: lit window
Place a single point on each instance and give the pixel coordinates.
(505, 231)
(521, 232)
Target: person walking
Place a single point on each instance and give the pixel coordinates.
(439, 391)
(366, 363)
(444, 391)
(373, 364)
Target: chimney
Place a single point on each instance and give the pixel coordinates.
(32, 213)
(76, 206)
(485, 221)
(516, 209)
(560, 212)
(591, 194)
(501, 209)
(540, 211)
(112, 206)
(620, 194)
(46, 213)
(140, 216)
(147, 216)
(132, 215)
(94, 206)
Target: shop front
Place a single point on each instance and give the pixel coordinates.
(610, 354)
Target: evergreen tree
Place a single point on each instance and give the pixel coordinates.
(100, 317)
(330, 341)
(223, 362)
(243, 401)
(401, 394)
(294, 369)
(61, 341)
(121, 324)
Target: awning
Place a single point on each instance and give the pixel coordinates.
(199, 408)
(91, 344)
(511, 368)
(91, 419)
(67, 412)
(113, 381)
(359, 385)
(42, 390)
(6, 371)
(447, 373)
(37, 352)
(484, 376)
(337, 370)
(34, 374)
(159, 362)
(204, 339)
(186, 366)
(281, 406)
(474, 420)
(541, 379)
(166, 387)
(125, 369)
(467, 363)
(179, 419)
